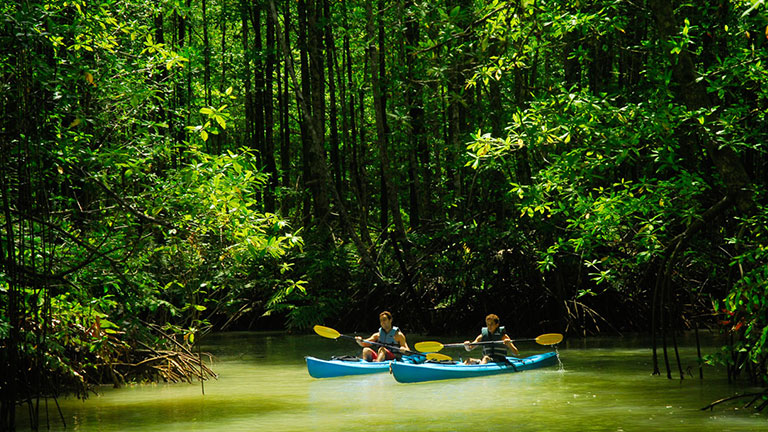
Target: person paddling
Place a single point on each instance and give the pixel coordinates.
(387, 334)
(494, 352)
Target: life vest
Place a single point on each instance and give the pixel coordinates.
(495, 351)
(389, 337)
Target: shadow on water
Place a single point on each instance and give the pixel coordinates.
(604, 384)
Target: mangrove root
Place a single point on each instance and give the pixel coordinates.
(755, 396)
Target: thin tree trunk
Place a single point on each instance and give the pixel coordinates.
(330, 50)
(247, 74)
(285, 148)
(223, 65)
(416, 138)
(342, 105)
(206, 57)
(269, 150)
(162, 76)
(189, 72)
(356, 140)
(317, 162)
(362, 176)
(221, 138)
(390, 189)
(258, 83)
(306, 89)
(12, 119)
(177, 119)
(380, 107)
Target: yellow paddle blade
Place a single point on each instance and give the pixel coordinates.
(438, 356)
(428, 346)
(549, 339)
(326, 332)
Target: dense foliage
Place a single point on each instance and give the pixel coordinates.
(174, 167)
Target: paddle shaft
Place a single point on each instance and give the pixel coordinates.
(537, 339)
(393, 347)
(456, 345)
(432, 346)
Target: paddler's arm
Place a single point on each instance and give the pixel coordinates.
(468, 345)
(360, 341)
(400, 338)
(508, 342)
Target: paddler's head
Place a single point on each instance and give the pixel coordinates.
(385, 319)
(492, 322)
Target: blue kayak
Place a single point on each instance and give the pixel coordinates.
(338, 367)
(410, 373)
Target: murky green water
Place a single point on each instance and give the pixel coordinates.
(604, 385)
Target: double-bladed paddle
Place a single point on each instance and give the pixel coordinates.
(432, 346)
(330, 333)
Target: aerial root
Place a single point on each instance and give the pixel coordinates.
(755, 396)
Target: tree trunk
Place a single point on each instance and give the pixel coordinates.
(317, 163)
(357, 176)
(248, 138)
(330, 50)
(189, 73)
(630, 61)
(416, 137)
(162, 73)
(342, 108)
(347, 115)
(177, 119)
(693, 92)
(306, 89)
(362, 248)
(362, 164)
(258, 83)
(390, 189)
(206, 58)
(223, 65)
(222, 137)
(269, 126)
(285, 148)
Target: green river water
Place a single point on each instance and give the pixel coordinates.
(604, 384)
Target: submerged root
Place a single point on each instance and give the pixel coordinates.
(755, 397)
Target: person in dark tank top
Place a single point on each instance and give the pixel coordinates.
(387, 334)
(492, 353)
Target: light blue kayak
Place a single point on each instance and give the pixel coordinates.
(410, 373)
(335, 368)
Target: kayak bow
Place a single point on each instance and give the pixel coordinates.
(410, 373)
